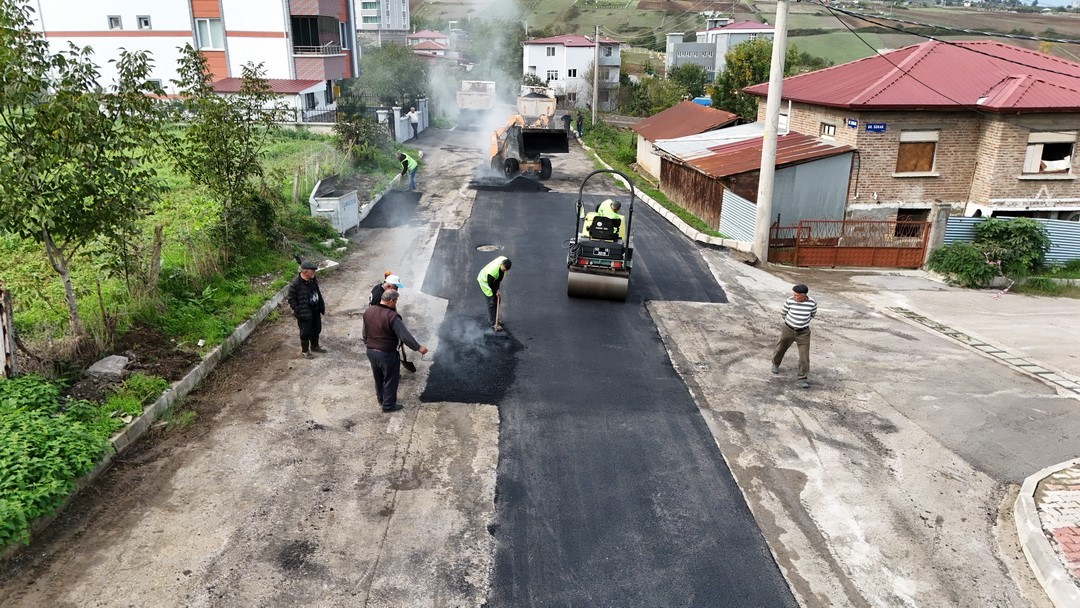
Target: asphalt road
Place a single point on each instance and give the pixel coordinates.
(611, 490)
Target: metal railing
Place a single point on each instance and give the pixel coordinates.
(330, 48)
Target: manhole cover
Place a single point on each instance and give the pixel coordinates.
(489, 248)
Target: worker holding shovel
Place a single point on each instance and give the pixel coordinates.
(490, 278)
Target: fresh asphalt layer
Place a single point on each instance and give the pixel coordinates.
(611, 490)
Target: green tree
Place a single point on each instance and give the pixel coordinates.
(73, 156)
(221, 145)
(648, 95)
(748, 64)
(393, 74)
(691, 77)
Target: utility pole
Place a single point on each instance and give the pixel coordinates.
(595, 73)
(763, 217)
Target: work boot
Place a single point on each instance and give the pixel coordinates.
(397, 407)
(316, 348)
(804, 383)
(497, 327)
(307, 354)
(775, 368)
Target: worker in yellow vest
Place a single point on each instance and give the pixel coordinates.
(490, 278)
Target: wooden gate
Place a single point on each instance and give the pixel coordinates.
(857, 243)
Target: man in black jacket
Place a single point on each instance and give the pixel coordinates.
(308, 306)
(383, 331)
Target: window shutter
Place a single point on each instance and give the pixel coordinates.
(915, 157)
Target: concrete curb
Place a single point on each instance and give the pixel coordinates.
(1042, 558)
(675, 220)
(1066, 384)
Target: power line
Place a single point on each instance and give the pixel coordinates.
(866, 17)
(885, 56)
(948, 42)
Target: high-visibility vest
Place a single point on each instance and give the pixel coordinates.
(410, 163)
(605, 210)
(494, 270)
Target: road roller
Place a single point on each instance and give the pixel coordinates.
(600, 254)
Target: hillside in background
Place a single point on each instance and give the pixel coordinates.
(643, 24)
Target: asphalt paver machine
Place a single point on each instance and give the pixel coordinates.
(600, 255)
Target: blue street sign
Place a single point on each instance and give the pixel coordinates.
(853, 123)
(875, 127)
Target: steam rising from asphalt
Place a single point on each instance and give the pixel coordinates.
(472, 364)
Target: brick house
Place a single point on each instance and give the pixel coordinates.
(985, 127)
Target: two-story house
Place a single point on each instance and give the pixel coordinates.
(712, 44)
(986, 127)
(564, 63)
(304, 45)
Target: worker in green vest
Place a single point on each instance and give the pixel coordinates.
(610, 208)
(490, 278)
(408, 166)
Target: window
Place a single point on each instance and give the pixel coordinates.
(752, 36)
(550, 51)
(532, 70)
(605, 51)
(1050, 152)
(144, 22)
(209, 34)
(154, 83)
(552, 75)
(827, 131)
(369, 19)
(916, 152)
(309, 101)
(571, 73)
(910, 215)
(344, 32)
(115, 23)
(783, 124)
(571, 98)
(370, 6)
(329, 94)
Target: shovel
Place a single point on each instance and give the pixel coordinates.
(408, 365)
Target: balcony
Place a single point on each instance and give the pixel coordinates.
(328, 49)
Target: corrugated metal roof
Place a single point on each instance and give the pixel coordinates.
(743, 25)
(277, 85)
(694, 146)
(936, 75)
(744, 156)
(683, 118)
(570, 40)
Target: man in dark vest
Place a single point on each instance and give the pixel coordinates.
(308, 307)
(383, 331)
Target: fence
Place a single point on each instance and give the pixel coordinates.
(1064, 236)
(858, 243)
(7, 335)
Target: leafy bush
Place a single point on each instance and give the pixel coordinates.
(1020, 244)
(46, 443)
(962, 263)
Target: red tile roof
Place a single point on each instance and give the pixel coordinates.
(983, 74)
(277, 85)
(684, 118)
(427, 34)
(428, 45)
(570, 40)
(744, 156)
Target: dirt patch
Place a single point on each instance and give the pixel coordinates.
(154, 354)
(93, 388)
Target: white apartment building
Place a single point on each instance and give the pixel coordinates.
(711, 45)
(304, 45)
(562, 62)
(380, 21)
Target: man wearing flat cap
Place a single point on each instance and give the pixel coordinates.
(308, 307)
(797, 312)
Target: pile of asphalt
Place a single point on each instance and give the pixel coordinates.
(473, 363)
(518, 183)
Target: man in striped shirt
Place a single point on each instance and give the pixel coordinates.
(797, 312)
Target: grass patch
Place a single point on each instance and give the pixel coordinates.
(617, 148)
(1041, 286)
(1068, 270)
